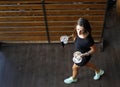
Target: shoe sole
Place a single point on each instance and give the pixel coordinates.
(71, 82)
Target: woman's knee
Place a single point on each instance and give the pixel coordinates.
(75, 67)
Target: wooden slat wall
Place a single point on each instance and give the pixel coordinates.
(118, 9)
(24, 20)
(62, 16)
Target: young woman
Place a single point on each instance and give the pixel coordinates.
(84, 44)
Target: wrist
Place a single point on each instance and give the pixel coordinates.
(87, 53)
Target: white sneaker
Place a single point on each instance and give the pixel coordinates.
(97, 75)
(70, 80)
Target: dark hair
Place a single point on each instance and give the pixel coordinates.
(84, 23)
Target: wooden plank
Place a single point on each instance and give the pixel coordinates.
(21, 13)
(75, 6)
(74, 18)
(16, 24)
(22, 38)
(61, 28)
(96, 23)
(75, 1)
(20, 7)
(20, 2)
(23, 28)
(75, 12)
(23, 33)
(21, 18)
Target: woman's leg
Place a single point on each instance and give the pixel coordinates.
(98, 72)
(75, 69)
(93, 67)
(73, 78)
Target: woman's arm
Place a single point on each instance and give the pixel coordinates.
(72, 37)
(90, 52)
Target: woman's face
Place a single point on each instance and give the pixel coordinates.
(79, 29)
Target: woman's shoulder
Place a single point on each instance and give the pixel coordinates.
(90, 39)
(90, 36)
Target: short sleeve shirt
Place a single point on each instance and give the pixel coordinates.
(83, 45)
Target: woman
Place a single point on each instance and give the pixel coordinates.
(84, 43)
